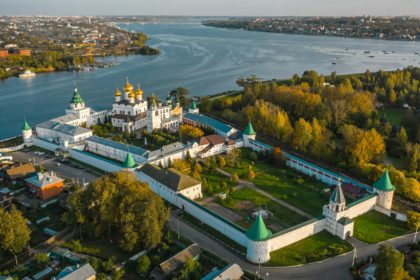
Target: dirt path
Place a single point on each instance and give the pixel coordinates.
(251, 185)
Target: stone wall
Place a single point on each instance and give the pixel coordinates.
(396, 215)
(47, 145)
(97, 162)
(295, 233)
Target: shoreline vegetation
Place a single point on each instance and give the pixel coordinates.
(366, 27)
(64, 44)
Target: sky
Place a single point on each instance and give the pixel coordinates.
(212, 7)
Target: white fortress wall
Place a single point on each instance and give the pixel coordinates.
(296, 233)
(359, 207)
(44, 144)
(398, 216)
(103, 164)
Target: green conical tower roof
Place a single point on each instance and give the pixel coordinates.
(384, 183)
(129, 161)
(258, 231)
(338, 195)
(76, 99)
(26, 125)
(193, 106)
(249, 130)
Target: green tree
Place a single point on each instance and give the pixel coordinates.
(221, 161)
(390, 264)
(143, 266)
(181, 94)
(14, 232)
(121, 207)
(413, 220)
(235, 177)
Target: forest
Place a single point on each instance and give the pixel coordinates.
(339, 120)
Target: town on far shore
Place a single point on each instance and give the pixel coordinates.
(157, 188)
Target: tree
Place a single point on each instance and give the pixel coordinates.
(189, 132)
(121, 207)
(180, 94)
(235, 177)
(143, 266)
(14, 232)
(221, 161)
(413, 220)
(389, 264)
(251, 173)
(303, 135)
(362, 145)
(190, 271)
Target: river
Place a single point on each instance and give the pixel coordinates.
(203, 59)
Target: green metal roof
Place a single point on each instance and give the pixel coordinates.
(129, 161)
(345, 221)
(193, 106)
(384, 183)
(338, 195)
(258, 231)
(249, 130)
(26, 125)
(76, 99)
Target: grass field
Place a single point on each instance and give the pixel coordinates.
(285, 183)
(317, 247)
(245, 201)
(374, 227)
(393, 115)
(99, 248)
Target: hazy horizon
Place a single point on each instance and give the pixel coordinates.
(212, 8)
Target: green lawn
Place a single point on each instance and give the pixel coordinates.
(285, 183)
(281, 215)
(317, 247)
(393, 115)
(374, 227)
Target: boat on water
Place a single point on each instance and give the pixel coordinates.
(27, 74)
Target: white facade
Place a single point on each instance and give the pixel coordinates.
(163, 117)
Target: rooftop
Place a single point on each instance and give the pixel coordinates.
(86, 271)
(207, 121)
(384, 183)
(173, 263)
(64, 128)
(116, 145)
(21, 170)
(41, 180)
(171, 178)
(338, 195)
(249, 130)
(258, 231)
(165, 150)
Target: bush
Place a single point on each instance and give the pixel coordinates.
(143, 265)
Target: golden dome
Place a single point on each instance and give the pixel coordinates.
(131, 95)
(128, 87)
(139, 91)
(117, 92)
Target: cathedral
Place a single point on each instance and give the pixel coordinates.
(131, 111)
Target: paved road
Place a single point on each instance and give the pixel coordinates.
(49, 162)
(331, 269)
(266, 194)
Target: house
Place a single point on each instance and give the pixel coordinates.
(166, 268)
(19, 172)
(211, 145)
(84, 272)
(353, 191)
(172, 180)
(230, 272)
(45, 185)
